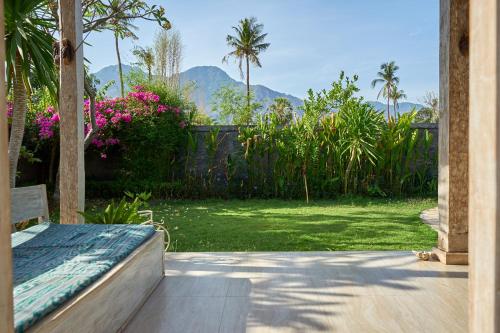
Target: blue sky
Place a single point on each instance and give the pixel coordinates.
(311, 41)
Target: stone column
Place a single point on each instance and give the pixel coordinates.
(484, 164)
(453, 132)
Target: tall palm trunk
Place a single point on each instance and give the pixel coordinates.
(388, 103)
(120, 72)
(18, 121)
(248, 83)
(395, 108)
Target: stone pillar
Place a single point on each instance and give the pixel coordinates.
(72, 169)
(453, 132)
(484, 164)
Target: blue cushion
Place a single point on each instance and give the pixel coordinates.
(54, 262)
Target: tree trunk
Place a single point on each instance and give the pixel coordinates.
(149, 73)
(388, 104)
(248, 83)
(18, 121)
(395, 108)
(304, 176)
(120, 73)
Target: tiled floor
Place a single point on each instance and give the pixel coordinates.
(305, 292)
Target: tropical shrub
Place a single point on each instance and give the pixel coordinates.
(339, 145)
(124, 212)
(144, 131)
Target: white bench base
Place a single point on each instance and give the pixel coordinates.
(107, 305)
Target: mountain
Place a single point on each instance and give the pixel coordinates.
(209, 79)
(403, 106)
(110, 73)
(206, 80)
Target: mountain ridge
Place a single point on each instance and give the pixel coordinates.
(209, 79)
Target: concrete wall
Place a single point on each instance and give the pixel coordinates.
(229, 145)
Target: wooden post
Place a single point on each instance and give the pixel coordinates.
(72, 169)
(484, 163)
(453, 132)
(6, 291)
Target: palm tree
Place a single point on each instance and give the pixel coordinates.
(28, 46)
(121, 33)
(283, 109)
(146, 58)
(396, 96)
(122, 28)
(387, 77)
(247, 44)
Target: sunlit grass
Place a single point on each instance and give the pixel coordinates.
(276, 225)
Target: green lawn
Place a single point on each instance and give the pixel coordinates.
(277, 225)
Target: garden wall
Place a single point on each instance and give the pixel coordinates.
(229, 145)
(197, 174)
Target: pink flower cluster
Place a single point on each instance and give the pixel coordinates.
(163, 108)
(111, 115)
(144, 96)
(47, 122)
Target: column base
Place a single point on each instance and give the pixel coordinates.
(451, 258)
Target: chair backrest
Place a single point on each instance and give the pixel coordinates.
(29, 203)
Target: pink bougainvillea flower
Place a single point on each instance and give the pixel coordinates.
(55, 118)
(112, 142)
(182, 124)
(104, 156)
(162, 108)
(10, 109)
(97, 142)
(127, 117)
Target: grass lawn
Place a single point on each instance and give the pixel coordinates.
(277, 225)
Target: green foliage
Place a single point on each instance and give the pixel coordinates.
(231, 104)
(339, 145)
(282, 109)
(122, 213)
(108, 189)
(153, 143)
(28, 42)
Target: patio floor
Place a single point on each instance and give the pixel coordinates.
(305, 292)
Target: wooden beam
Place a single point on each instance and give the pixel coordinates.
(484, 163)
(453, 131)
(72, 170)
(6, 291)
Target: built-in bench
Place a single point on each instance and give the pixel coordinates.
(79, 278)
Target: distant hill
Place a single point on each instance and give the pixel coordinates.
(403, 106)
(209, 79)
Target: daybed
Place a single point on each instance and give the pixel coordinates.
(79, 278)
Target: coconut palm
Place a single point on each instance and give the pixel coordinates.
(121, 32)
(28, 57)
(387, 77)
(396, 96)
(145, 58)
(122, 28)
(247, 44)
(282, 109)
